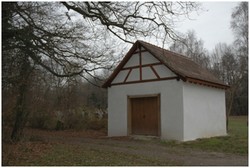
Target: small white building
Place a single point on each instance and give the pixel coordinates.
(157, 92)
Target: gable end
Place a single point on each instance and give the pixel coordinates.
(139, 65)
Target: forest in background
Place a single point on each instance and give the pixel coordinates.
(60, 103)
(48, 84)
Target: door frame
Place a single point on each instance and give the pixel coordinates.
(129, 111)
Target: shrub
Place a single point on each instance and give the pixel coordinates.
(42, 120)
(97, 124)
(74, 120)
(59, 125)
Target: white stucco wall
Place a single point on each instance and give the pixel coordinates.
(187, 111)
(148, 58)
(204, 111)
(171, 107)
(163, 71)
(120, 76)
(147, 73)
(133, 61)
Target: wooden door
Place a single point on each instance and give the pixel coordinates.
(145, 116)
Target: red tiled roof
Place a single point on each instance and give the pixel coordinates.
(182, 66)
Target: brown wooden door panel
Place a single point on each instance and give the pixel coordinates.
(145, 116)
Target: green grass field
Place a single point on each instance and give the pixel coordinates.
(236, 142)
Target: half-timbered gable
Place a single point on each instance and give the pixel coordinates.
(142, 66)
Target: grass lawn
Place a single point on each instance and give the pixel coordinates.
(79, 155)
(236, 142)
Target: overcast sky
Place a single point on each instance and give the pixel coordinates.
(212, 25)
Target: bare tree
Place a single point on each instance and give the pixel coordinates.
(50, 36)
(192, 47)
(35, 36)
(239, 25)
(130, 20)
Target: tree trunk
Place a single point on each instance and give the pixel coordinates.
(21, 114)
(230, 102)
(21, 109)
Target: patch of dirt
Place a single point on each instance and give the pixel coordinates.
(150, 148)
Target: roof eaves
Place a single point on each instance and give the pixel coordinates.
(208, 83)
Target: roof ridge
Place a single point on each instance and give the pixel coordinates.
(174, 53)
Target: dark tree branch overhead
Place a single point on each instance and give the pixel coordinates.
(46, 31)
(45, 34)
(126, 20)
